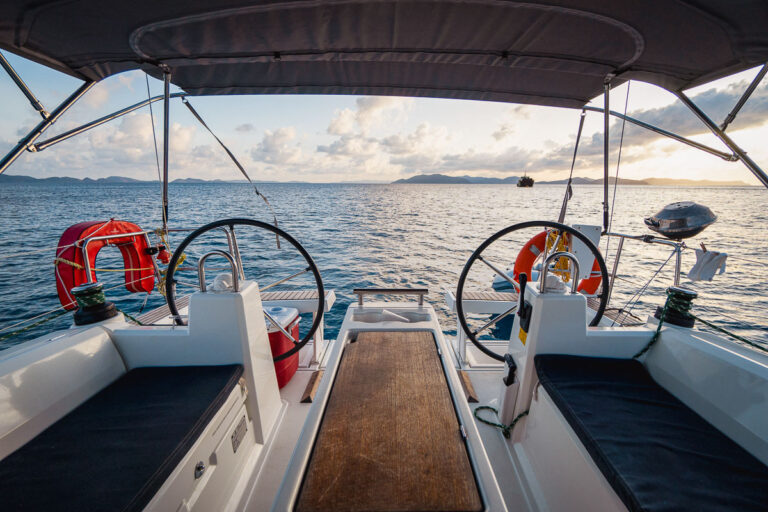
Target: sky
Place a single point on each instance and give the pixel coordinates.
(349, 138)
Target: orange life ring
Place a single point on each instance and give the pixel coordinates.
(535, 246)
(589, 285)
(70, 263)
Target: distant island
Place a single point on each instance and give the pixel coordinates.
(111, 180)
(121, 180)
(420, 178)
(512, 180)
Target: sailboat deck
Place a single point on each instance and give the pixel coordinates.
(390, 438)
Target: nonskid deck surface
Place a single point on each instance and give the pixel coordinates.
(390, 438)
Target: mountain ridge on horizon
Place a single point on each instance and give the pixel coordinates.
(417, 179)
(512, 180)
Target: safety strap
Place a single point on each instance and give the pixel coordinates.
(236, 162)
(568, 189)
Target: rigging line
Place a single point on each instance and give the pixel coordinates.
(236, 162)
(154, 139)
(756, 262)
(618, 165)
(47, 249)
(642, 290)
(36, 251)
(26, 320)
(568, 188)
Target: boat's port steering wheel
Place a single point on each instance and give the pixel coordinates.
(552, 227)
(229, 224)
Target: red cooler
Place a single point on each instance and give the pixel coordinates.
(288, 318)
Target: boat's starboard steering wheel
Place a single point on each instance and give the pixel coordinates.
(229, 224)
(558, 229)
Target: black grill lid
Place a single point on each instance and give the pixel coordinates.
(680, 220)
(549, 53)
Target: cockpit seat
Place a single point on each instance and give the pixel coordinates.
(114, 451)
(655, 452)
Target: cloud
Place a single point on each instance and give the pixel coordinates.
(97, 96)
(372, 110)
(425, 138)
(353, 146)
(369, 113)
(127, 79)
(277, 147)
(245, 127)
(343, 123)
(504, 131)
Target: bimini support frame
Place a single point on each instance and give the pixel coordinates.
(166, 141)
(730, 157)
(744, 97)
(27, 142)
(23, 86)
(40, 146)
(720, 134)
(606, 149)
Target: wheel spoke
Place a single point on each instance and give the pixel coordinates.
(281, 281)
(184, 283)
(277, 324)
(499, 272)
(194, 269)
(496, 319)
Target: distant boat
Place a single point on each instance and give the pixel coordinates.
(525, 181)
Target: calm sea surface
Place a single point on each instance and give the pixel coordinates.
(382, 235)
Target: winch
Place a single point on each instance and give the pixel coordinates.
(682, 219)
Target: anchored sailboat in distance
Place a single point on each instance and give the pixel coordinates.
(525, 181)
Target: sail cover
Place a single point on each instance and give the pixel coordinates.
(554, 53)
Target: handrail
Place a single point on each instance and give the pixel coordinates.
(545, 270)
(361, 292)
(232, 263)
(86, 241)
(678, 247)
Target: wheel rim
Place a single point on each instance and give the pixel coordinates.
(516, 227)
(171, 284)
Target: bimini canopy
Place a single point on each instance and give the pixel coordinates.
(550, 53)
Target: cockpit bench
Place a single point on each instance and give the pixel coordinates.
(116, 450)
(656, 453)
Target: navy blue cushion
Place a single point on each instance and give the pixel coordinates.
(657, 454)
(115, 450)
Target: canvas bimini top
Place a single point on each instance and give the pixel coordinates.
(555, 53)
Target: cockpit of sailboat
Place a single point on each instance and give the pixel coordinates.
(218, 402)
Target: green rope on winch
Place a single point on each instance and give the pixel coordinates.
(657, 334)
(681, 302)
(505, 429)
(94, 297)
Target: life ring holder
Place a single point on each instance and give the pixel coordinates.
(79, 246)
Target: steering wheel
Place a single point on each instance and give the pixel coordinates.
(230, 225)
(555, 227)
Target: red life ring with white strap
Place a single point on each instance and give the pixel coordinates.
(535, 246)
(70, 263)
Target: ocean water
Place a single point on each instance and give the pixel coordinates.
(381, 235)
